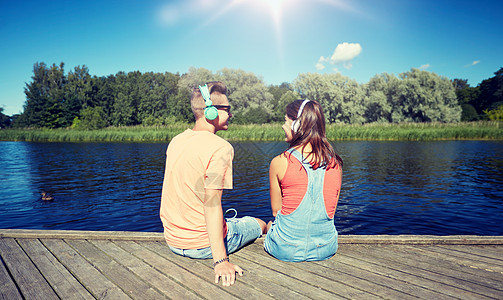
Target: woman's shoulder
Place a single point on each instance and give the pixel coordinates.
(280, 160)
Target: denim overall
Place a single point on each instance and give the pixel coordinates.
(307, 233)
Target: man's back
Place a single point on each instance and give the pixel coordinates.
(195, 160)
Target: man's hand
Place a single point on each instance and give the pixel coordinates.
(227, 271)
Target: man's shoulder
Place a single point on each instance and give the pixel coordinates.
(202, 140)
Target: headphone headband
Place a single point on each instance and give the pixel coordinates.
(296, 122)
(210, 112)
(205, 92)
(302, 107)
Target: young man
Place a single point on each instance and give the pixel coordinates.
(198, 168)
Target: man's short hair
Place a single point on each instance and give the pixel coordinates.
(197, 102)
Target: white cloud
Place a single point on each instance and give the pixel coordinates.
(475, 62)
(320, 66)
(424, 67)
(343, 55)
(345, 52)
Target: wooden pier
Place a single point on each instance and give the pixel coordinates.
(38, 264)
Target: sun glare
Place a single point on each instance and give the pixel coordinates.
(275, 6)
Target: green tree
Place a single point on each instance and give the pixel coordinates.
(495, 114)
(468, 113)
(179, 106)
(341, 98)
(251, 99)
(491, 93)
(91, 118)
(195, 77)
(378, 102)
(45, 97)
(157, 93)
(467, 97)
(318, 87)
(278, 108)
(247, 94)
(104, 94)
(5, 120)
(246, 91)
(427, 97)
(78, 93)
(126, 98)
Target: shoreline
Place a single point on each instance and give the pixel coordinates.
(268, 133)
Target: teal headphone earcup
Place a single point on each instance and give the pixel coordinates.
(211, 113)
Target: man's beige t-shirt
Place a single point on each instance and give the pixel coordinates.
(195, 161)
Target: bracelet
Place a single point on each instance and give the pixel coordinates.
(221, 261)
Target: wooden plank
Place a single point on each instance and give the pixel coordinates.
(343, 239)
(61, 280)
(187, 278)
(470, 275)
(489, 251)
(252, 275)
(135, 287)
(437, 275)
(421, 239)
(396, 267)
(28, 278)
(450, 267)
(391, 277)
(280, 277)
(8, 289)
(255, 255)
(81, 235)
(199, 266)
(481, 262)
(93, 280)
(343, 279)
(135, 264)
(204, 269)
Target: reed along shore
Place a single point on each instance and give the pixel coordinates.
(268, 132)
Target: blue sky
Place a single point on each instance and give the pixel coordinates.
(275, 39)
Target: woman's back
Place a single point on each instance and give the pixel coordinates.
(307, 232)
(294, 185)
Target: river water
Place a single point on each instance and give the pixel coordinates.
(439, 188)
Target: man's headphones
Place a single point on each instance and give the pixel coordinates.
(210, 112)
(296, 122)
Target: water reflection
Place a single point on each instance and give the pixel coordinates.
(451, 187)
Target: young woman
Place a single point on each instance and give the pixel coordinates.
(305, 182)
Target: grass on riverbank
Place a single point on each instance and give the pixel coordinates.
(267, 132)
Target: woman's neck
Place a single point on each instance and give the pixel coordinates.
(304, 149)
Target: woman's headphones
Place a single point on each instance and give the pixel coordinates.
(296, 122)
(210, 112)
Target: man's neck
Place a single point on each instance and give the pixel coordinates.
(203, 125)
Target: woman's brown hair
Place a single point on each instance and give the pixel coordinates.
(312, 130)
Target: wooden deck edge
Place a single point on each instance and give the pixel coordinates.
(343, 239)
(82, 235)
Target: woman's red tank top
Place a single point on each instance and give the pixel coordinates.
(294, 187)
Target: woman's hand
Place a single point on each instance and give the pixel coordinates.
(227, 271)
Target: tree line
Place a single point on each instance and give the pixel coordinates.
(79, 100)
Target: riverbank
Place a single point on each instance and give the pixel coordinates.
(268, 132)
